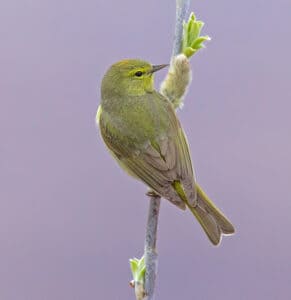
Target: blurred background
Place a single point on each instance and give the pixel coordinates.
(70, 218)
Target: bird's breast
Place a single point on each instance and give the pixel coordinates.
(139, 118)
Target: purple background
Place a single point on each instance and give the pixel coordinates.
(69, 217)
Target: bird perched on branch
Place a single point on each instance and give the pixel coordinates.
(142, 132)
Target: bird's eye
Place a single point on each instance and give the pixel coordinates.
(138, 73)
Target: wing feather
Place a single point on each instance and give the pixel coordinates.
(157, 162)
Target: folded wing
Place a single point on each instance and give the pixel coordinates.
(157, 162)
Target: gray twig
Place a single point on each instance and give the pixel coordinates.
(151, 257)
(182, 8)
(150, 253)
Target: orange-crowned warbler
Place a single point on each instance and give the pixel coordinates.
(142, 132)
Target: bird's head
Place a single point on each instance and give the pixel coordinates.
(130, 77)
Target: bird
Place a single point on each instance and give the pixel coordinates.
(142, 132)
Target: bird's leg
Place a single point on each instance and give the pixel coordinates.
(152, 194)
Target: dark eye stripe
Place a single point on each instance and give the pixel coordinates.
(138, 73)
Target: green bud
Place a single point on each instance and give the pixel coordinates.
(192, 41)
(138, 269)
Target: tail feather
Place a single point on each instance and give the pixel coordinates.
(208, 223)
(212, 220)
(209, 206)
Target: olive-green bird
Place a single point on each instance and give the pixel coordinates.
(140, 128)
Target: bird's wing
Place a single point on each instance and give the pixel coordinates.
(160, 161)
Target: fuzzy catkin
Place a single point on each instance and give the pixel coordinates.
(174, 87)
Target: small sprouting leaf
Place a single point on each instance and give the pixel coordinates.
(133, 265)
(141, 274)
(192, 41)
(138, 269)
(188, 51)
(189, 30)
(198, 43)
(194, 33)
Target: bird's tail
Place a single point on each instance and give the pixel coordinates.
(212, 220)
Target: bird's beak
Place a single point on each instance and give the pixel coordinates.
(157, 68)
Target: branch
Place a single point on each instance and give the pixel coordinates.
(151, 257)
(174, 87)
(150, 253)
(187, 41)
(182, 8)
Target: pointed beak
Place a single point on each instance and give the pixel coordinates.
(157, 68)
